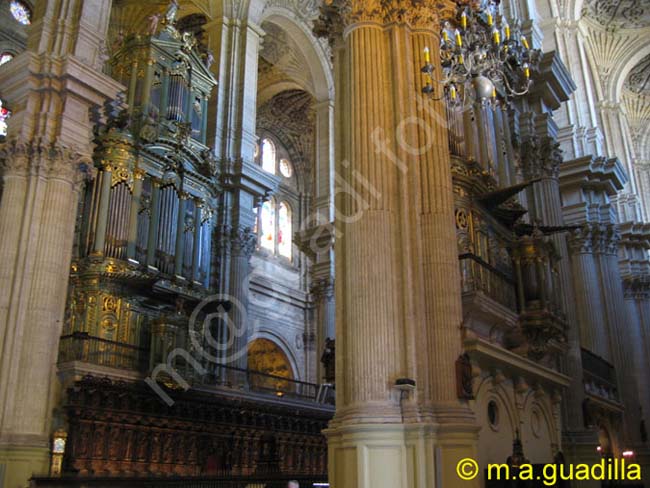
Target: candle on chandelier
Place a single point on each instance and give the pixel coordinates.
(445, 36)
(427, 55)
(506, 31)
(452, 91)
(490, 19)
(459, 39)
(463, 20)
(496, 37)
(524, 41)
(461, 60)
(494, 92)
(526, 70)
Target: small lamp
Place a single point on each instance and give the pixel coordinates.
(58, 449)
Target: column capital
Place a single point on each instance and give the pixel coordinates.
(52, 161)
(541, 157)
(242, 241)
(337, 16)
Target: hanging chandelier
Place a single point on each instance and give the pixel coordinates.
(483, 58)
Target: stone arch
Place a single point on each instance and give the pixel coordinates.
(637, 51)
(313, 52)
(539, 403)
(282, 346)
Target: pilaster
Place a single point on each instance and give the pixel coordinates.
(53, 87)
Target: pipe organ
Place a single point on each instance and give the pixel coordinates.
(510, 263)
(147, 220)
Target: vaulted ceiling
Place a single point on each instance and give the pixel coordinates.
(619, 14)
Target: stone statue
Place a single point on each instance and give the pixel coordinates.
(209, 59)
(328, 360)
(154, 20)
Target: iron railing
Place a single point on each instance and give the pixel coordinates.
(82, 347)
(599, 376)
(478, 275)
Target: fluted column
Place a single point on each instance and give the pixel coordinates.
(588, 303)
(619, 328)
(43, 165)
(541, 158)
(398, 308)
(243, 242)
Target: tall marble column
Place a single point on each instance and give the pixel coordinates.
(43, 165)
(398, 309)
(541, 158)
(619, 328)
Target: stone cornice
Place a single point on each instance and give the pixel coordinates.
(603, 174)
(553, 83)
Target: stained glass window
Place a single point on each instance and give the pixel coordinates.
(285, 168)
(268, 156)
(284, 230)
(5, 58)
(4, 115)
(21, 12)
(267, 226)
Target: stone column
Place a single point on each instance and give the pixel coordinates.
(323, 293)
(619, 328)
(398, 309)
(43, 164)
(235, 40)
(588, 303)
(243, 242)
(541, 158)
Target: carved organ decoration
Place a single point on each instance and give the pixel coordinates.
(513, 264)
(147, 220)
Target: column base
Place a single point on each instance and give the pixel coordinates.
(18, 464)
(579, 447)
(418, 455)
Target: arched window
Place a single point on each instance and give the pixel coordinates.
(268, 156)
(5, 58)
(284, 230)
(21, 12)
(275, 229)
(267, 226)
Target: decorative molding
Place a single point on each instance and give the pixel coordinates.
(53, 161)
(618, 14)
(541, 157)
(339, 15)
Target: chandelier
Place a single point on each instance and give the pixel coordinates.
(482, 57)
